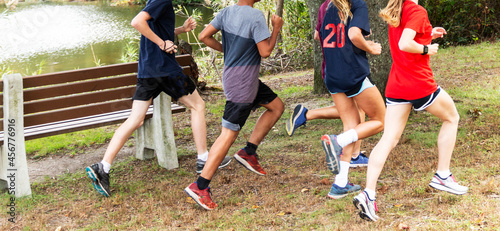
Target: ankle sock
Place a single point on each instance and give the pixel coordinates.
(106, 166)
(341, 179)
(371, 194)
(250, 149)
(444, 174)
(203, 156)
(202, 183)
(347, 138)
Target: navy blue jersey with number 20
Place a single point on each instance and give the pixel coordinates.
(346, 65)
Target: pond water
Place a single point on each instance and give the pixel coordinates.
(67, 36)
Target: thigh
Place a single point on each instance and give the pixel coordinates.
(396, 117)
(192, 99)
(443, 107)
(348, 111)
(139, 109)
(371, 102)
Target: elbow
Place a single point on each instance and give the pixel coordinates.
(265, 54)
(202, 38)
(403, 46)
(134, 23)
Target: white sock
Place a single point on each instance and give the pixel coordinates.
(371, 193)
(444, 174)
(341, 178)
(203, 156)
(347, 138)
(106, 166)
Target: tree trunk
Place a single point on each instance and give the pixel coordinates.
(380, 65)
(279, 12)
(319, 85)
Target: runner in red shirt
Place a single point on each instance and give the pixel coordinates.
(411, 84)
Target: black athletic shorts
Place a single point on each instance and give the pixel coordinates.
(175, 87)
(236, 114)
(418, 104)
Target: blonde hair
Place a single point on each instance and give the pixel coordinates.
(391, 14)
(344, 7)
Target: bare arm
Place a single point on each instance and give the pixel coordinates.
(408, 44)
(189, 25)
(316, 35)
(140, 24)
(207, 37)
(360, 42)
(266, 46)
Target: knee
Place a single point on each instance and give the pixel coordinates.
(199, 106)
(454, 118)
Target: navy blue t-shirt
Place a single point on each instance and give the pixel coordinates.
(153, 62)
(346, 65)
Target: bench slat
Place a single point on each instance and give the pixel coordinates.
(79, 75)
(79, 87)
(80, 99)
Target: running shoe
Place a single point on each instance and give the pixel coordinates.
(449, 184)
(249, 161)
(359, 161)
(200, 164)
(202, 197)
(297, 119)
(333, 151)
(337, 192)
(366, 206)
(100, 179)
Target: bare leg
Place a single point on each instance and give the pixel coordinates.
(134, 121)
(444, 108)
(395, 122)
(350, 118)
(198, 125)
(218, 151)
(323, 113)
(267, 120)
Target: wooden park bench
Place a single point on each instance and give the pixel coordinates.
(63, 102)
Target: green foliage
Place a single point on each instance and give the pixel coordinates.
(131, 53)
(466, 21)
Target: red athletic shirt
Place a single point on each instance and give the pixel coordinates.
(411, 76)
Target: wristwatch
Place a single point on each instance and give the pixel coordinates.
(426, 49)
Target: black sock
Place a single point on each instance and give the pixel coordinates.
(250, 149)
(202, 183)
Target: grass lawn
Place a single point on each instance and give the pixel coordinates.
(292, 196)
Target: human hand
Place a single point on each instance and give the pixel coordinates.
(189, 24)
(375, 48)
(169, 47)
(438, 32)
(432, 49)
(276, 22)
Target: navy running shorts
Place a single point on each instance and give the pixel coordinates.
(360, 87)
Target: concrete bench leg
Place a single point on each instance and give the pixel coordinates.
(157, 134)
(13, 154)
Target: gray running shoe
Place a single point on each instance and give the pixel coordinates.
(200, 164)
(366, 207)
(333, 151)
(449, 184)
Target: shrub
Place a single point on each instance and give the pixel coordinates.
(466, 21)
